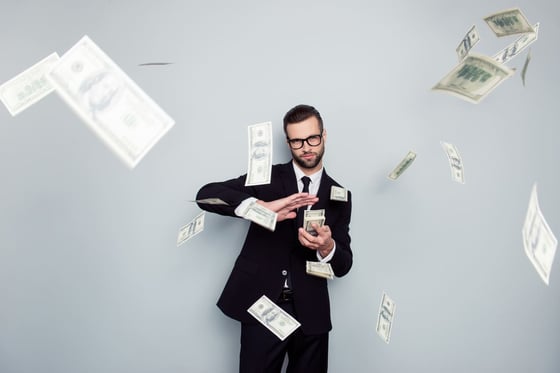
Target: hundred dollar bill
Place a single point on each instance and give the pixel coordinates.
(524, 71)
(509, 22)
(339, 194)
(261, 215)
(402, 166)
(125, 118)
(468, 42)
(28, 87)
(274, 318)
(260, 154)
(211, 201)
(385, 318)
(539, 241)
(455, 162)
(474, 78)
(517, 46)
(192, 229)
(311, 217)
(320, 269)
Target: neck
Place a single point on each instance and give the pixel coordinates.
(309, 171)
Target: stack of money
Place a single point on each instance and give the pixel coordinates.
(320, 269)
(274, 318)
(339, 194)
(311, 217)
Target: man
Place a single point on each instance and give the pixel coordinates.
(274, 263)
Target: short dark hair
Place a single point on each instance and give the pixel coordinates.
(300, 113)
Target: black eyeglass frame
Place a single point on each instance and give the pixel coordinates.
(301, 141)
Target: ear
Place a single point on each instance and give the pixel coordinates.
(324, 134)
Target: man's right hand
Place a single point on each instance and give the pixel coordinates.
(285, 207)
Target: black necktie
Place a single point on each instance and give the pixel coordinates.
(305, 180)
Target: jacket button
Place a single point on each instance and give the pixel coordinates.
(284, 272)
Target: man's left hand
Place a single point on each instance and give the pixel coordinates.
(322, 242)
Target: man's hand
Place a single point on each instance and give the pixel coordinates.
(323, 242)
(285, 207)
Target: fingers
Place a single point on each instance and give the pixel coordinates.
(318, 242)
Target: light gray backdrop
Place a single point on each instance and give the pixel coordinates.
(91, 279)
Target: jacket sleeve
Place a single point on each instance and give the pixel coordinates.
(341, 261)
(232, 191)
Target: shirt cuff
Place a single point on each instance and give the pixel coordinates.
(328, 257)
(240, 210)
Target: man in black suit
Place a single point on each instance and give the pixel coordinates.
(273, 263)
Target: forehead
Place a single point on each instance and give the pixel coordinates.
(303, 129)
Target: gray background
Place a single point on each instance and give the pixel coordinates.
(91, 279)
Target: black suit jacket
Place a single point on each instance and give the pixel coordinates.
(267, 257)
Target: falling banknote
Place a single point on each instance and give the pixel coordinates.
(274, 318)
(524, 70)
(474, 78)
(211, 201)
(455, 162)
(127, 120)
(385, 318)
(402, 166)
(539, 241)
(509, 22)
(468, 42)
(28, 87)
(260, 154)
(517, 46)
(192, 229)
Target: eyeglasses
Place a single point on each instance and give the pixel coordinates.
(313, 140)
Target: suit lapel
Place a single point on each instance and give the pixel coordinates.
(324, 192)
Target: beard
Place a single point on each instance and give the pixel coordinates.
(309, 163)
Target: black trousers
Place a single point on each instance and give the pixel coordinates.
(264, 352)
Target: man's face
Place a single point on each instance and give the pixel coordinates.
(308, 157)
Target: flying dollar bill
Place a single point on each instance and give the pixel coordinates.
(474, 78)
(517, 46)
(274, 318)
(402, 166)
(260, 154)
(319, 269)
(455, 162)
(524, 70)
(538, 240)
(28, 87)
(262, 216)
(468, 42)
(127, 120)
(508, 22)
(192, 229)
(339, 194)
(385, 318)
(211, 201)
